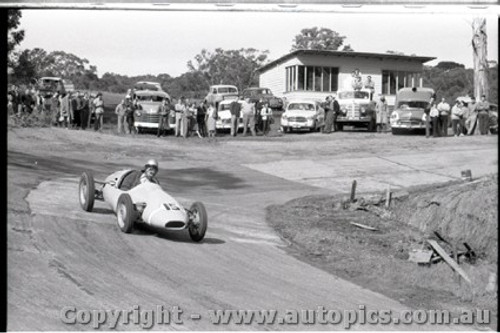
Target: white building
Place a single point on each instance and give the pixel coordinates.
(314, 74)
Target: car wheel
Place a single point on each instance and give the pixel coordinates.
(125, 213)
(86, 190)
(199, 221)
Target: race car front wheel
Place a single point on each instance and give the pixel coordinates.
(199, 221)
(125, 213)
(86, 191)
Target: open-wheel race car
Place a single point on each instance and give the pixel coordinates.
(142, 203)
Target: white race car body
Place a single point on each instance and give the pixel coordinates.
(156, 207)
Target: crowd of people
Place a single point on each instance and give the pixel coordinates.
(188, 118)
(472, 118)
(75, 110)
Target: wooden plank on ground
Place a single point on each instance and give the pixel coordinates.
(362, 226)
(453, 264)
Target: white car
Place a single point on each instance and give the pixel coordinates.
(224, 116)
(145, 203)
(303, 115)
(219, 92)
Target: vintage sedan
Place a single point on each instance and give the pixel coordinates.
(142, 203)
(220, 92)
(223, 121)
(255, 94)
(408, 114)
(303, 115)
(146, 116)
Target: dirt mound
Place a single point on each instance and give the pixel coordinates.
(464, 212)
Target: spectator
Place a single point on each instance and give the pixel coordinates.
(235, 109)
(427, 117)
(444, 112)
(179, 111)
(483, 115)
(54, 109)
(328, 107)
(457, 113)
(99, 112)
(75, 111)
(211, 119)
(201, 113)
(64, 113)
(248, 110)
(10, 104)
(370, 85)
(258, 117)
(434, 114)
(266, 114)
(27, 102)
(84, 112)
(120, 113)
(381, 110)
(187, 119)
(130, 107)
(163, 113)
(336, 111)
(471, 121)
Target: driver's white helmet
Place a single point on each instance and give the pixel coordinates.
(152, 162)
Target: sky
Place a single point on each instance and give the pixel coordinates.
(133, 43)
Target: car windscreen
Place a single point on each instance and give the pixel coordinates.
(223, 107)
(301, 106)
(263, 92)
(413, 104)
(353, 94)
(146, 86)
(227, 90)
(150, 98)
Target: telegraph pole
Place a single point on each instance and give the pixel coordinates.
(479, 49)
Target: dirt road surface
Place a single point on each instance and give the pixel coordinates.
(60, 256)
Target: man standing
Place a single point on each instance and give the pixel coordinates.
(444, 112)
(483, 114)
(381, 110)
(99, 112)
(370, 85)
(235, 109)
(328, 107)
(84, 113)
(179, 111)
(120, 113)
(201, 113)
(336, 111)
(248, 110)
(163, 113)
(266, 114)
(75, 111)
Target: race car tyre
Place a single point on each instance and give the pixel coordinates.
(198, 225)
(86, 191)
(125, 213)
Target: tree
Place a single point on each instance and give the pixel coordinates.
(319, 39)
(229, 66)
(15, 36)
(479, 48)
(449, 65)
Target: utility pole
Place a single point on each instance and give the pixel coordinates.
(479, 49)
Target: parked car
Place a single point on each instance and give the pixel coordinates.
(303, 115)
(255, 94)
(224, 116)
(408, 114)
(147, 85)
(146, 117)
(220, 92)
(356, 109)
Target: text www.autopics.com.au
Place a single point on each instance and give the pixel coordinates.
(162, 315)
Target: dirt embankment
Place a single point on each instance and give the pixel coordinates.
(321, 232)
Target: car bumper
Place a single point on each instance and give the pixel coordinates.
(145, 124)
(353, 120)
(298, 125)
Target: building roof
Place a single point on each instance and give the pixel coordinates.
(343, 54)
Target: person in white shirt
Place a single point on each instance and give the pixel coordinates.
(266, 113)
(248, 111)
(180, 109)
(444, 112)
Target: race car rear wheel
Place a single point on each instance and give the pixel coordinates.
(86, 191)
(125, 213)
(199, 221)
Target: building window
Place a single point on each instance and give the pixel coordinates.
(392, 81)
(311, 78)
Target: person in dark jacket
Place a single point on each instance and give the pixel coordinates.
(163, 114)
(201, 113)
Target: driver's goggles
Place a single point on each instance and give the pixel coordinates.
(152, 167)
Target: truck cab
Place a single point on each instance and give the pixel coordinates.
(356, 109)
